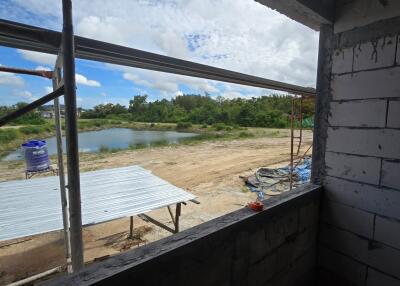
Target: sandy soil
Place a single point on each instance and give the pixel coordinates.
(209, 170)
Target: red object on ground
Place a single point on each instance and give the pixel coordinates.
(256, 206)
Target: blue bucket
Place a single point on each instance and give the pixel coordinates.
(36, 156)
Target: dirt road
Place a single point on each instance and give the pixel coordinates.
(209, 170)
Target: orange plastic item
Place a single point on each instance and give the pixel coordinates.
(256, 206)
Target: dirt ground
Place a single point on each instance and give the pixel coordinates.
(209, 170)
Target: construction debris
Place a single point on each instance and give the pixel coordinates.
(268, 181)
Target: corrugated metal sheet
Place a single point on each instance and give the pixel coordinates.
(29, 207)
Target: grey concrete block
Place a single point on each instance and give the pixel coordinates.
(345, 242)
(376, 278)
(391, 172)
(342, 266)
(259, 246)
(369, 84)
(387, 231)
(301, 272)
(367, 142)
(384, 258)
(279, 229)
(362, 169)
(375, 54)
(393, 118)
(381, 201)
(365, 113)
(398, 51)
(308, 215)
(348, 218)
(342, 61)
(262, 271)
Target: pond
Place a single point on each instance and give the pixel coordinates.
(112, 138)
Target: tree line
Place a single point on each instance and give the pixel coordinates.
(265, 111)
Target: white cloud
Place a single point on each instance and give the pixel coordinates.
(11, 79)
(103, 94)
(39, 58)
(27, 95)
(81, 79)
(48, 89)
(42, 68)
(240, 35)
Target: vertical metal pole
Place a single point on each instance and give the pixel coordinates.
(177, 215)
(131, 227)
(301, 125)
(291, 143)
(61, 174)
(74, 192)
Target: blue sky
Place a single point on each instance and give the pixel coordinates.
(240, 35)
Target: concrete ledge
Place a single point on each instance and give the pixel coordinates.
(208, 254)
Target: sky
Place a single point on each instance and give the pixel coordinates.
(240, 35)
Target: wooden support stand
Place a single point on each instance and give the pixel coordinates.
(175, 220)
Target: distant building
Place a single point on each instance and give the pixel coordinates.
(48, 114)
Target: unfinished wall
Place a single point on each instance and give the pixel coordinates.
(360, 229)
(274, 247)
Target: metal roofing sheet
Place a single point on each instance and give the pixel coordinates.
(29, 207)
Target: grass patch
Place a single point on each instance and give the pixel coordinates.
(7, 135)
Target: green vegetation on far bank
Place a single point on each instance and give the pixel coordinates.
(12, 137)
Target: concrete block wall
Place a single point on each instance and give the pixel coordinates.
(359, 241)
(274, 247)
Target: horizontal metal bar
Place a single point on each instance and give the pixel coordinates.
(42, 73)
(43, 100)
(32, 38)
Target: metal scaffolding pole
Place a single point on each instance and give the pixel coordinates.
(60, 161)
(74, 192)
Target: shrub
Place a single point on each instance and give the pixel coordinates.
(244, 134)
(221, 126)
(104, 149)
(183, 125)
(27, 130)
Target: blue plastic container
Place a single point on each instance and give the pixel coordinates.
(36, 156)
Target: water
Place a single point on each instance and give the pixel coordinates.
(120, 138)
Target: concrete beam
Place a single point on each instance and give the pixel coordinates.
(312, 13)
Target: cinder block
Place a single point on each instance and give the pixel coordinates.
(342, 61)
(342, 266)
(361, 169)
(365, 113)
(391, 172)
(376, 278)
(387, 231)
(398, 51)
(345, 242)
(348, 218)
(308, 215)
(279, 229)
(259, 245)
(262, 271)
(367, 142)
(393, 119)
(367, 84)
(384, 258)
(375, 54)
(381, 201)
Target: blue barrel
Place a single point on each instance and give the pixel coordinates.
(36, 156)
